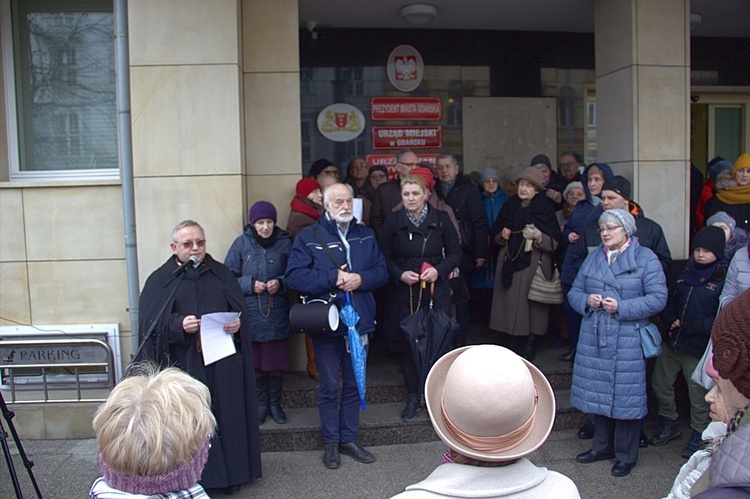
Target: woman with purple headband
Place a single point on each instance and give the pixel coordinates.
(153, 434)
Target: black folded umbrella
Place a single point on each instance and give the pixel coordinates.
(429, 333)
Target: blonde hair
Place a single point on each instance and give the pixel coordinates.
(153, 422)
(414, 179)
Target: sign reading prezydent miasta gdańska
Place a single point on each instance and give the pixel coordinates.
(406, 108)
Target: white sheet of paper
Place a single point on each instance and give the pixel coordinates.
(357, 208)
(215, 342)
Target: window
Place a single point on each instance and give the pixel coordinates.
(353, 78)
(62, 112)
(357, 84)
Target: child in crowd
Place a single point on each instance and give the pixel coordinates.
(691, 308)
(736, 237)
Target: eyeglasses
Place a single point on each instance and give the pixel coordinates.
(189, 244)
(608, 229)
(330, 172)
(359, 165)
(413, 165)
(569, 163)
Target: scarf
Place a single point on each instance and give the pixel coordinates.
(183, 477)
(613, 255)
(697, 274)
(417, 221)
(736, 422)
(513, 215)
(265, 243)
(101, 490)
(739, 194)
(306, 207)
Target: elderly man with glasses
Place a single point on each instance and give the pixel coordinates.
(189, 285)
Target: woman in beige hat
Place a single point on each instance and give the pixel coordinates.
(491, 408)
(528, 235)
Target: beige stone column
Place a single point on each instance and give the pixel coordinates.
(273, 137)
(273, 134)
(188, 122)
(643, 106)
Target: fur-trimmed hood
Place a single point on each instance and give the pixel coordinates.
(725, 180)
(737, 241)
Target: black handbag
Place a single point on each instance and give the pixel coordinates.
(459, 290)
(316, 317)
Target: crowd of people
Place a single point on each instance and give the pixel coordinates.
(534, 245)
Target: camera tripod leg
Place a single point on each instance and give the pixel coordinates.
(8, 415)
(9, 461)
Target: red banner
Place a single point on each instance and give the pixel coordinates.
(405, 108)
(389, 161)
(416, 137)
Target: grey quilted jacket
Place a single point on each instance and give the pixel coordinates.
(738, 277)
(729, 475)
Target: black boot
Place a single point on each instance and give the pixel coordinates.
(529, 351)
(274, 388)
(261, 389)
(412, 405)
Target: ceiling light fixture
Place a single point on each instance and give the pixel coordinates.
(695, 20)
(418, 14)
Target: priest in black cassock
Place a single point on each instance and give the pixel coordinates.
(207, 286)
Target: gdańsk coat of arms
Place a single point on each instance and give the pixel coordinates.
(341, 122)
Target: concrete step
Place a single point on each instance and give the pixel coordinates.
(380, 424)
(385, 379)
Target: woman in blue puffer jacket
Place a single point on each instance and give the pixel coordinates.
(620, 285)
(258, 260)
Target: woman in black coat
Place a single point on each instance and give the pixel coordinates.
(420, 245)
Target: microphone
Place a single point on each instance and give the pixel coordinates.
(182, 268)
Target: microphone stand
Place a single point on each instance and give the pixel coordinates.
(152, 326)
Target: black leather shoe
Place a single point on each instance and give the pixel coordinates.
(568, 356)
(622, 469)
(643, 440)
(331, 457)
(586, 432)
(356, 452)
(593, 456)
(232, 490)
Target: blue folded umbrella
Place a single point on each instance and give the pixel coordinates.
(350, 317)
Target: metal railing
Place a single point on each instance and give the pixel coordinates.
(86, 360)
